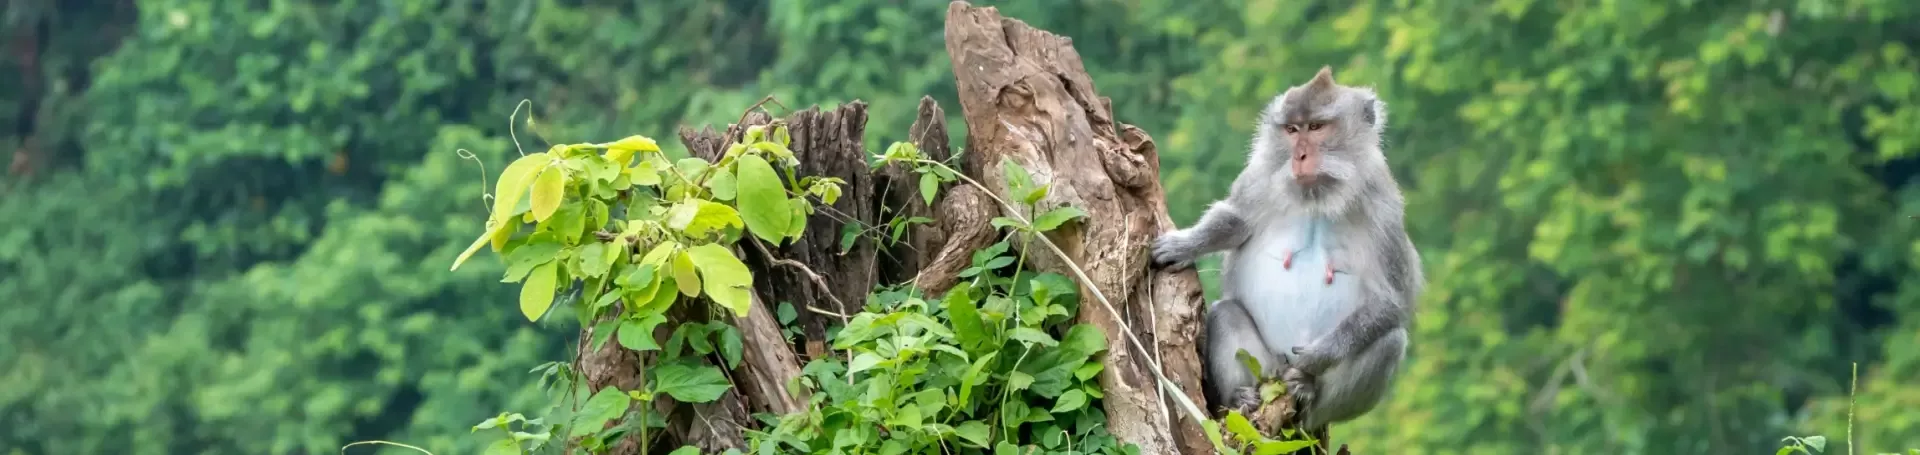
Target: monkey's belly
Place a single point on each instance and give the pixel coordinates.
(1294, 305)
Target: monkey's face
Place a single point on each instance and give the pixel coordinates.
(1323, 131)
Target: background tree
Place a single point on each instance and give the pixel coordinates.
(1652, 227)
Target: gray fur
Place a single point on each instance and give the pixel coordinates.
(1337, 344)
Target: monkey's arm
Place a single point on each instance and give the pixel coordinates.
(1385, 303)
(1220, 227)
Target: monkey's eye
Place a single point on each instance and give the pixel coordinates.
(1291, 129)
(1315, 126)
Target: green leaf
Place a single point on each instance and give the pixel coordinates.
(708, 217)
(1270, 447)
(1031, 335)
(548, 188)
(607, 404)
(683, 275)
(723, 185)
(594, 261)
(690, 384)
(536, 294)
(635, 143)
(763, 200)
(637, 334)
(539, 249)
(1018, 180)
(1019, 381)
(1252, 364)
(1086, 371)
(863, 362)
(730, 345)
(1070, 401)
(728, 281)
(514, 182)
(1819, 443)
(973, 431)
(503, 447)
(973, 377)
(929, 184)
(1241, 427)
(1054, 218)
(647, 173)
(967, 327)
(685, 450)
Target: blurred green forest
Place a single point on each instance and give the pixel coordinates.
(1650, 226)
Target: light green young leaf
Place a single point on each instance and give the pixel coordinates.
(762, 199)
(514, 182)
(548, 189)
(1054, 218)
(728, 281)
(683, 275)
(635, 143)
(709, 217)
(690, 384)
(536, 294)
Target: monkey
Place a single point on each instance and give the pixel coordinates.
(1319, 277)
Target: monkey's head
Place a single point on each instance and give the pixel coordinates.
(1327, 134)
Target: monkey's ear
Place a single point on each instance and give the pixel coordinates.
(1322, 79)
(1374, 111)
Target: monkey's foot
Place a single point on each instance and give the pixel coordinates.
(1246, 400)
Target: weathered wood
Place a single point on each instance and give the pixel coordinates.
(899, 198)
(1027, 97)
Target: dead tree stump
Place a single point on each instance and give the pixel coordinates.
(1027, 97)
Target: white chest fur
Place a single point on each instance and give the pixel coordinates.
(1291, 303)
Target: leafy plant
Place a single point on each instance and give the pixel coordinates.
(641, 233)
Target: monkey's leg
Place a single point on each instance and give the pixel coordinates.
(1352, 387)
(1230, 329)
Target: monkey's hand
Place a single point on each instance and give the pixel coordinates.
(1310, 361)
(1174, 250)
(1300, 387)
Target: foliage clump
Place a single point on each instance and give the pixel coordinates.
(995, 364)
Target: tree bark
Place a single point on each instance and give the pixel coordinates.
(1027, 97)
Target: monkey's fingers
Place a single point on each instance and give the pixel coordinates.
(1329, 273)
(1286, 262)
